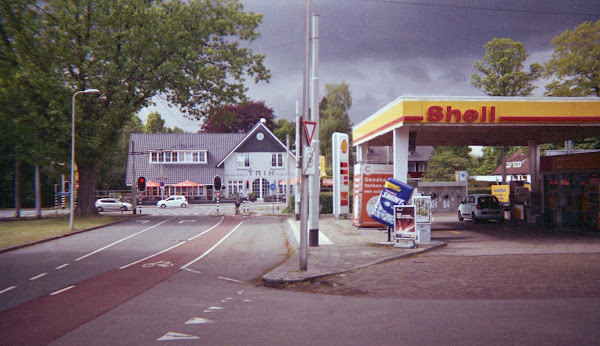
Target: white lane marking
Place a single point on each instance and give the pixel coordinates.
(228, 279)
(214, 246)
(37, 276)
(198, 320)
(61, 266)
(142, 221)
(61, 291)
(296, 231)
(192, 270)
(183, 221)
(172, 247)
(170, 336)
(121, 240)
(208, 230)
(8, 289)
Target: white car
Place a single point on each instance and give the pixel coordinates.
(112, 204)
(481, 207)
(173, 201)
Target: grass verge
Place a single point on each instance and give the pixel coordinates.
(19, 232)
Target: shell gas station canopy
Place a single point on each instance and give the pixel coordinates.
(487, 121)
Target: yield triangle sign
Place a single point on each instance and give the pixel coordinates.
(309, 130)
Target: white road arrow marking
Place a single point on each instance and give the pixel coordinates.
(198, 320)
(142, 221)
(177, 336)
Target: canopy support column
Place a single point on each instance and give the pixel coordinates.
(401, 139)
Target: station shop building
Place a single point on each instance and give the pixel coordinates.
(564, 190)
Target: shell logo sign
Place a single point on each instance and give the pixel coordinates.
(344, 146)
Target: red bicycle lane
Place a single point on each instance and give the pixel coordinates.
(47, 318)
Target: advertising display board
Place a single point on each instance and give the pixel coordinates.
(404, 221)
(394, 193)
(422, 209)
(368, 181)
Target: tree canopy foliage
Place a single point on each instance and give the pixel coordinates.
(189, 51)
(238, 118)
(445, 161)
(156, 124)
(333, 116)
(576, 62)
(501, 70)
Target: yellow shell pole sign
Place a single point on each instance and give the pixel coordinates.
(341, 174)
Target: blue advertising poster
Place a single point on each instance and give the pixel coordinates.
(394, 193)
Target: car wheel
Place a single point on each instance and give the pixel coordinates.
(163, 205)
(183, 205)
(100, 209)
(123, 208)
(460, 217)
(474, 218)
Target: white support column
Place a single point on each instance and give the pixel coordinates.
(400, 144)
(534, 166)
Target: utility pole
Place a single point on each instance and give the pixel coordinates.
(305, 115)
(315, 179)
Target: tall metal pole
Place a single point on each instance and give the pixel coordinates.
(314, 180)
(305, 115)
(298, 165)
(287, 169)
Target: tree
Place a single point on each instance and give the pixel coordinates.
(188, 51)
(156, 124)
(333, 116)
(445, 161)
(238, 118)
(283, 129)
(576, 62)
(502, 69)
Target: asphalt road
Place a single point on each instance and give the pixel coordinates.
(217, 298)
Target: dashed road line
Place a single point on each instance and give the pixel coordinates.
(61, 266)
(61, 291)
(38, 276)
(8, 289)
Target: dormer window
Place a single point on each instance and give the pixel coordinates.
(178, 157)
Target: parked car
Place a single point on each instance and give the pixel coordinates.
(481, 207)
(103, 204)
(173, 201)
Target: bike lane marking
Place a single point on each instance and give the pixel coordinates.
(47, 318)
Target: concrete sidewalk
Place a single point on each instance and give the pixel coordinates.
(342, 247)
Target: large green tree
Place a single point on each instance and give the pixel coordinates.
(131, 50)
(501, 71)
(238, 118)
(283, 129)
(445, 161)
(333, 116)
(575, 62)
(156, 124)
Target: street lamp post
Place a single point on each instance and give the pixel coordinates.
(73, 186)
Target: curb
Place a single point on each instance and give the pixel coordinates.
(275, 282)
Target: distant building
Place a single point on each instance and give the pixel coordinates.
(186, 163)
(517, 168)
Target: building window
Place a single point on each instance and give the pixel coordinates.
(243, 160)
(184, 157)
(277, 160)
(235, 187)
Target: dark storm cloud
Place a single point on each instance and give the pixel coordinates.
(386, 49)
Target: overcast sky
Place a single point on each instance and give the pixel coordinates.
(385, 49)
